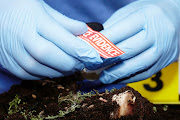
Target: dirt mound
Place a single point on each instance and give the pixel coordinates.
(58, 99)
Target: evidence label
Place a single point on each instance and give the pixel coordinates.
(105, 48)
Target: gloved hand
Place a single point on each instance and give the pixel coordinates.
(36, 41)
(148, 32)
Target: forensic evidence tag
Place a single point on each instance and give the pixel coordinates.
(105, 48)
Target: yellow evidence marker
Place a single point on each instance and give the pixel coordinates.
(161, 88)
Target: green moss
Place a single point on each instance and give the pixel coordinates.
(71, 102)
(14, 105)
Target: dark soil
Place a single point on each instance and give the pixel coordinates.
(42, 96)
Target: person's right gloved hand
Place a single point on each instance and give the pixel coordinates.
(36, 41)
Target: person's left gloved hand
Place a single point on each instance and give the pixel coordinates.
(148, 32)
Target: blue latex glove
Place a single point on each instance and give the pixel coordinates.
(36, 41)
(148, 32)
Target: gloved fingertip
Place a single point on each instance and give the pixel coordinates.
(55, 75)
(77, 68)
(93, 66)
(77, 28)
(88, 55)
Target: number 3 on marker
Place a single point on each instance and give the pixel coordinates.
(157, 80)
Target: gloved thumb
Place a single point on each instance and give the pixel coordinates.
(73, 26)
